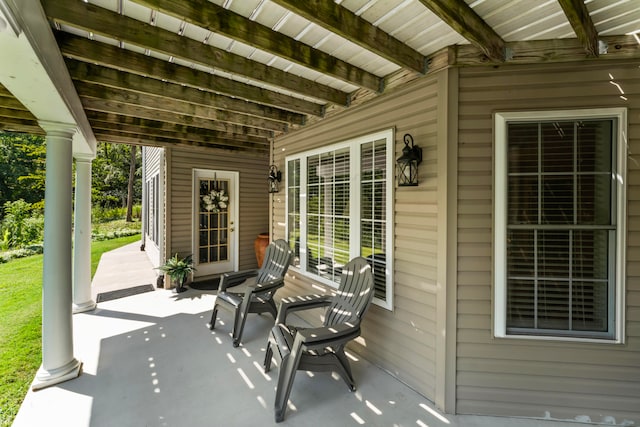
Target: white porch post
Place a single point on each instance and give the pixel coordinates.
(82, 238)
(58, 363)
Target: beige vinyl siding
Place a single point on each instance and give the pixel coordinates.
(401, 341)
(562, 380)
(254, 201)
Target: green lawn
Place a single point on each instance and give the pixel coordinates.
(21, 320)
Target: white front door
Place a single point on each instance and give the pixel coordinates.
(215, 207)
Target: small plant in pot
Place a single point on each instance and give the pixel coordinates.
(178, 269)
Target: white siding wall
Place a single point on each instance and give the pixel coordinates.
(539, 378)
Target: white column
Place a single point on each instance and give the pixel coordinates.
(58, 363)
(82, 238)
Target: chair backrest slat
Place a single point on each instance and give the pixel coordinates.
(277, 259)
(354, 294)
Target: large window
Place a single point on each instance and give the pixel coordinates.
(560, 179)
(339, 207)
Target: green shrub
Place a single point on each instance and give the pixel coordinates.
(21, 253)
(113, 234)
(100, 214)
(136, 212)
(21, 225)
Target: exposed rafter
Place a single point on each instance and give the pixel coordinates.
(117, 137)
(107, 121)
(235, 76)
(110, 24)
(115, 107)
(95, 52)
(210, 16)
(337, 19)
(459, 16)
(582, 24)
(176, 106)
(110, 77)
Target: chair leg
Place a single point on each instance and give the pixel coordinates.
(272, 308)
(241, 318)
(288, 368)
(236, 320)
(212, 323)
(267, 358)
(345, 370)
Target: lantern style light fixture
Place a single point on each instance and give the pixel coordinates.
(275, 176)
(407, 164)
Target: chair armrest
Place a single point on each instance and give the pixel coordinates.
(228, 280)
(264, 287)
(313, 338)
(303, 302)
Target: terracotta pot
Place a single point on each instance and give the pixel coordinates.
(260, 246)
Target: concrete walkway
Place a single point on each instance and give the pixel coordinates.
(150, 360)
(123, 268)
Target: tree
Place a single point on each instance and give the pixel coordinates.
(22, 175)
(130, 187)
(111, 170)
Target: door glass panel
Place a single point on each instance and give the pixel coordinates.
(213, 213)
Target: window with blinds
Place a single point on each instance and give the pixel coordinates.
(338, 206)
(152, 202)
(559, 204)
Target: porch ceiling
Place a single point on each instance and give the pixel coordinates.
(236, 74)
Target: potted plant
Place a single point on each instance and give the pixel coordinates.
(178, 269)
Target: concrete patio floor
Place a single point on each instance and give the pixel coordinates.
(150, 360)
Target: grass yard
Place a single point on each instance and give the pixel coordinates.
(21, 320)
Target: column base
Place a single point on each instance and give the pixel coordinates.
(46, 378)
(83, 307)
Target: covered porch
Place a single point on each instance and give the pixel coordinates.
(150, 359)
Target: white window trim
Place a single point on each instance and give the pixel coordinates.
(500, 215)
(354, 233)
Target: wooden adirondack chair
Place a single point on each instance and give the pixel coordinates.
(322, 348)
(261, 285)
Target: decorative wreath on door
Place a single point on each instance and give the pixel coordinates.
(215, 201)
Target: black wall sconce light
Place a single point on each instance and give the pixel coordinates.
(407, 164)
(275, 176)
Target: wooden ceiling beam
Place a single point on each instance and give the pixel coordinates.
(459, 16)
(582, 24)
(548, 51)
(110, 24)
(96, 104)
(117, 121)
(124, 129)
(9, 124)
(205, 14)
(176, 106)
(95, 52)
(82, 71)
(13, 103)
(5, 111)
(126, 138)
(340, 20)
